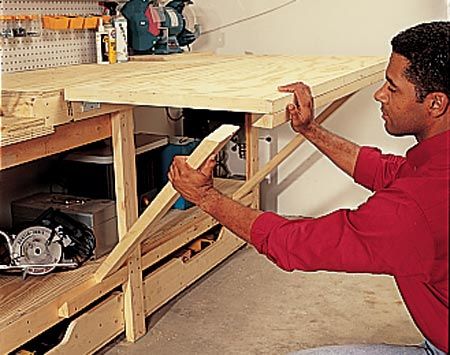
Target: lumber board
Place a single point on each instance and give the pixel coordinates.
(93, 329)
(212, 144)
(127, 213)
(176, 275)
(65, 137)
(13, 130)
(230, 76)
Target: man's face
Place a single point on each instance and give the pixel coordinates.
(402, 114)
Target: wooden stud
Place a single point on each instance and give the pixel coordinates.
(252, 153)
(127, 213)
(212, 144)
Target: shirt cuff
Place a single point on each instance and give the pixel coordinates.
(262, 227)
(366, 165)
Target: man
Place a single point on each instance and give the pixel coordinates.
(403, 228)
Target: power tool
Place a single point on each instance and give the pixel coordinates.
(154, 28)
(53, 240)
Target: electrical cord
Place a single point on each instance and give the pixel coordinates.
(245, 19)
(221, 169)
(240, 147)
(172, 118)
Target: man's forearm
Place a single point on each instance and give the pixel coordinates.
(341, 151)
(231, 214)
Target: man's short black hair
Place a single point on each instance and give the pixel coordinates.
(427, 48)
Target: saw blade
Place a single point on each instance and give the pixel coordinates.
(33, 246)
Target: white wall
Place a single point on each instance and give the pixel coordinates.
(307, 183)
(155, 120)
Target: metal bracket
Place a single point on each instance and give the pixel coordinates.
(69, 109)
(89, 106)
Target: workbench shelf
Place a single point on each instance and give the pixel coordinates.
(31, 306)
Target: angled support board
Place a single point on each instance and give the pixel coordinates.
(162, 203)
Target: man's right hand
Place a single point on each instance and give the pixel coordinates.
(301, 111)
(301, 114)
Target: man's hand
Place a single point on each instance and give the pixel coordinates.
(193, 185)
(301, 111)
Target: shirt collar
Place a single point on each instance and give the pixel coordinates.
(436, 147)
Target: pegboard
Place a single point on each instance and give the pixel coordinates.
(51, 48)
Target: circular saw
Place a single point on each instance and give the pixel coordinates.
(53, 240)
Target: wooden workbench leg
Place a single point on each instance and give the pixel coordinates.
(252, 154)
(127, 213)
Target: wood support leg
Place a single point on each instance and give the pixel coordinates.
(252, 153)
(127, 213)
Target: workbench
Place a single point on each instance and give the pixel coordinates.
(50, 111)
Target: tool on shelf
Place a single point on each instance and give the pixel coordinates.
(120, 26)
(53, 240)
(16, 26)
(106, 43)
(6, 30)
(159, 29)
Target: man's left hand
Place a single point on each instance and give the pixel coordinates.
(192, 184)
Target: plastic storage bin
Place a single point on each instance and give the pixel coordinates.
(89, 172)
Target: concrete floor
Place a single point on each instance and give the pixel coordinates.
(248, 306)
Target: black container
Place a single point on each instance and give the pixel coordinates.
(89, 171)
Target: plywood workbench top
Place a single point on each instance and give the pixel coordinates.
(244, 83)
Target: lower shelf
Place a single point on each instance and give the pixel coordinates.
(98, 326)
(30, 307)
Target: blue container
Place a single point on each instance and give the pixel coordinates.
(177, 146)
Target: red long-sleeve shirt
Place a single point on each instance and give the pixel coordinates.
(402, 230)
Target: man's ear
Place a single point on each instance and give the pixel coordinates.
(437, 103)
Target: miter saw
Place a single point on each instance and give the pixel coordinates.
(52, 240)
(159, 27)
